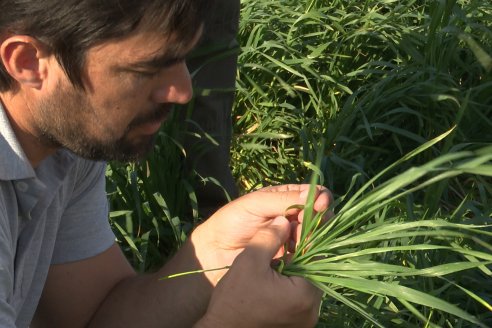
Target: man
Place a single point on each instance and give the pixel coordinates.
(89, 80)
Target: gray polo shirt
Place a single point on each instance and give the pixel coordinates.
(56, 213)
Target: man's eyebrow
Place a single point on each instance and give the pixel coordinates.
(161, 61)
(156, 62)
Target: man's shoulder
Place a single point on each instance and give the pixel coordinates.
(84, 167)
(72, 172)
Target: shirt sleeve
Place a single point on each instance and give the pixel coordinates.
(84, 229)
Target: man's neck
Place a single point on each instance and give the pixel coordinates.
(19, 115)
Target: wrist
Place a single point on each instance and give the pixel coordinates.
(208, 255)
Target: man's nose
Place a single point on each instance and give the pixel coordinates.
(177, 87)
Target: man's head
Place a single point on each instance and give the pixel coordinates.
(98, 76)
(68, 28)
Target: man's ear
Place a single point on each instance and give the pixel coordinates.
(25, 59)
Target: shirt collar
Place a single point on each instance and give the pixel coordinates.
(30, 184)
(14, 164)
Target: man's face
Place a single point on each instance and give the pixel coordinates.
(131, 85)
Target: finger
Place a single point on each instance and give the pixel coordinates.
(323, 200)
(273, 203)
(286, 187)
(295, 236)
(275, 200)
(304, 191)
(295, 228)
(267, 241)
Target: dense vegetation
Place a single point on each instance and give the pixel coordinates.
(374, 80)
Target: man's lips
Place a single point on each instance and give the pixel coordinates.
(150, 125)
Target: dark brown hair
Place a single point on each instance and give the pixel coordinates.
(70, 27)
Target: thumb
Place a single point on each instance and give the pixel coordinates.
(266, 243)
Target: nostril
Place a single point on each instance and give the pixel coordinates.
(177, 88)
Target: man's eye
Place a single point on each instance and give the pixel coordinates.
(148, 74)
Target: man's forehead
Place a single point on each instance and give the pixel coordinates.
(145, 45)
(171, 51)
(176, 46)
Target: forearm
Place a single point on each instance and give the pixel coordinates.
(146, 301)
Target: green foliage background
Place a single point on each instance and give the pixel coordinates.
(374, 79)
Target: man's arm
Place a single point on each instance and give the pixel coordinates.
(104, 291)
(75, 291)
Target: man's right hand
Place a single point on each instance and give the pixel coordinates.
(220, 239)
(252, 294)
